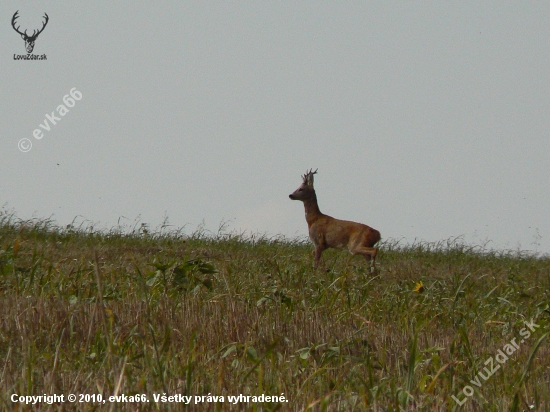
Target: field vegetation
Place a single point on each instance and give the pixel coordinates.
(133, 311)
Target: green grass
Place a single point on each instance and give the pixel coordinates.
(160, 312)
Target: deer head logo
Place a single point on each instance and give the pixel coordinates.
(29, 40)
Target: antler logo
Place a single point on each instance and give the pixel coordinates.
(29, 40)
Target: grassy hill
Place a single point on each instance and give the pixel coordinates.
(153, 313)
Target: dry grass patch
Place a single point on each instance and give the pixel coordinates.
(153, 312)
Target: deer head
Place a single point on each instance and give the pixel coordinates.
(305, 191)
(29, 40)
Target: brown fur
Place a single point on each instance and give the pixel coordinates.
(327, 232)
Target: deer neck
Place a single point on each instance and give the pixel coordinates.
(312, 210)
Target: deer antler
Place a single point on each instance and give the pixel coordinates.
(34, 35)
(308, 177)
(15, 16)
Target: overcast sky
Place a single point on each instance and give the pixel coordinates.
(427, 120)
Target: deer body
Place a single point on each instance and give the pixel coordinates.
(327, 232)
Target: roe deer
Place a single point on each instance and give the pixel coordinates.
(327, 232)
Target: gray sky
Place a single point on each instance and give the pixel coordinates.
(427, 120)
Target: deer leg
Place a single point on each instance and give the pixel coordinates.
(318, 251)
(369, 253)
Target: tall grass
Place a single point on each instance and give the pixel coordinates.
(154, 311)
